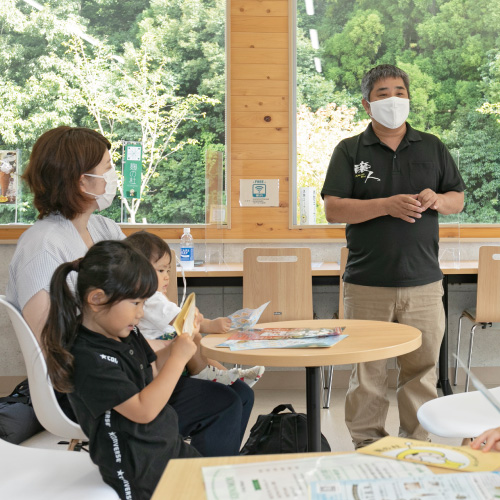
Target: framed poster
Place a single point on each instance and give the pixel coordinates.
(8, 181)
(132, 169)
(259, 192)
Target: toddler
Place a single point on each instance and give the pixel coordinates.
(159, 314)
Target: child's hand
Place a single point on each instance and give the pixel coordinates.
(197, 338)
(492, 438)
(198, 319)
(183, 347)
(217, 325)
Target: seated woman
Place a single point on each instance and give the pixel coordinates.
(71, 175)
(160, 313)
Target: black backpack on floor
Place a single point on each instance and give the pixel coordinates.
(18, 421)
(280, 433)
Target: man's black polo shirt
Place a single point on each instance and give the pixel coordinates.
(388, 251)
(131, 456)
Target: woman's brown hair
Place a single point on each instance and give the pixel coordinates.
(59, 158)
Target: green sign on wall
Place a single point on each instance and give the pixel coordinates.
(132, 169)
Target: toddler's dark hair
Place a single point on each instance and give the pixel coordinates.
(152, 246)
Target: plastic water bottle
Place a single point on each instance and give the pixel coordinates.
(187, 249)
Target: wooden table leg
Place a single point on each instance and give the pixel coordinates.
(313, 397)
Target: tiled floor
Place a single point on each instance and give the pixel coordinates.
(332, 420)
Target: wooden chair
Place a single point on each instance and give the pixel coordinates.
(327, 372)
(344, 253)
(487, 309)
(282, 276)
(42, 394)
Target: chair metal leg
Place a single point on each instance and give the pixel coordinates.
(473, 330)
(73, 444)
(324, 376)
(327, 386)
(455, 379)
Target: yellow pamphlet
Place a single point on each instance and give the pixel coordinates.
(462, 458)
(184, 322)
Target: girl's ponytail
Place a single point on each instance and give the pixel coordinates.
(60, 329)
(111, 266)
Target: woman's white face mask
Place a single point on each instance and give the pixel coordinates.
(104, 200)
(391, 112)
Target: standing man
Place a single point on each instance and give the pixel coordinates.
(388, 185)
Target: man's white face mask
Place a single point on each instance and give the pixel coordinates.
(104, 200)
(391, 112)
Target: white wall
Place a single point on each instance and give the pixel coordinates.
(11, 361)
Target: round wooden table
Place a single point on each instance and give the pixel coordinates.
(366, 341)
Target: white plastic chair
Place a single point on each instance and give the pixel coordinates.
(463, 415)
(44, 401)
(41, 474)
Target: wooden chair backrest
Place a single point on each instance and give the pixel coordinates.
(282, 276)
(172, 293)
(344, 252)
(488, 285)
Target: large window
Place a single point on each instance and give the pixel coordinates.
(450, 50)
(145, 72)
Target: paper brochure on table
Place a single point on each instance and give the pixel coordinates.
(313, 342)
(289, 479)
(184, 321)
(472, 486)
(462, 458)
(246, 318)
(284, 333)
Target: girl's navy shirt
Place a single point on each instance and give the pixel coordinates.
(131, 456)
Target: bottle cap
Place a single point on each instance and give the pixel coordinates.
(187, 230)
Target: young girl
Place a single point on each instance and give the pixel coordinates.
(118, 387)
(159, 314)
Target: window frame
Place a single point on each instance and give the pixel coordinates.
(446, 230)
(255, 224)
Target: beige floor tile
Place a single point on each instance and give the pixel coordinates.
(332, 420)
